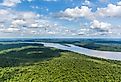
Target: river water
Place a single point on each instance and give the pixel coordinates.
(95, 53)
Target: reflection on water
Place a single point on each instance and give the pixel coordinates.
(89, 52)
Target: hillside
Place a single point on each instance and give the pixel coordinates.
(36, 63)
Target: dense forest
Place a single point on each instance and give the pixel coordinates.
(23, 62)
(115, 47)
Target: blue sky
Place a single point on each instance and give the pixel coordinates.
(60, 18)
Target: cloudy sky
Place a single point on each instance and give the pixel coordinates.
(60, 18)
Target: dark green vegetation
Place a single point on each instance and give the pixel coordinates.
(25, 53)
(95, 44)
(36, 63)
(100, 46)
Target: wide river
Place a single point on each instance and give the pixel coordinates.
(89, 52)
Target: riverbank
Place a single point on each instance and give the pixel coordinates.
(95, 53)
(33, 62)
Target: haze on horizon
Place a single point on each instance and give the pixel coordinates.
(60, 18)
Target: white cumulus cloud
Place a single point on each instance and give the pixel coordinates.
(111, 10)
(72, 13)
(10, 3)
(100, 25)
